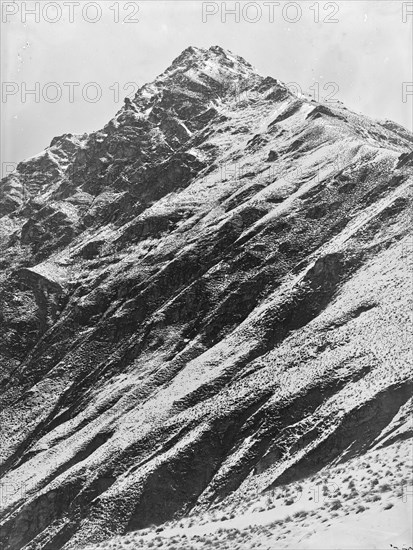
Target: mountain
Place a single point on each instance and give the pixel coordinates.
(205, 302)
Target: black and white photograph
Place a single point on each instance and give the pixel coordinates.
(206, 275)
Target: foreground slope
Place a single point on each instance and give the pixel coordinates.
(365, 503)
(211, 294)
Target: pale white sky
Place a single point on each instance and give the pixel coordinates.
(366, 52)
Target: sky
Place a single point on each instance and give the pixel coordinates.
(355, 51)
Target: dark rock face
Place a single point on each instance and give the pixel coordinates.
(211, 291)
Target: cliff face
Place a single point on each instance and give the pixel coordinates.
(211, 292)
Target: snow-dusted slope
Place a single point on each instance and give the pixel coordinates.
(211, 293)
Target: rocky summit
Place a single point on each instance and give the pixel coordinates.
(204, 303)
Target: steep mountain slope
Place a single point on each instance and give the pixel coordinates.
(211, 294)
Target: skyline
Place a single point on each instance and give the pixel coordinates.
(324, 62)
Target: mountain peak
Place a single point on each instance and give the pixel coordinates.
(186, 87)
(202, 306)
(212, 57)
